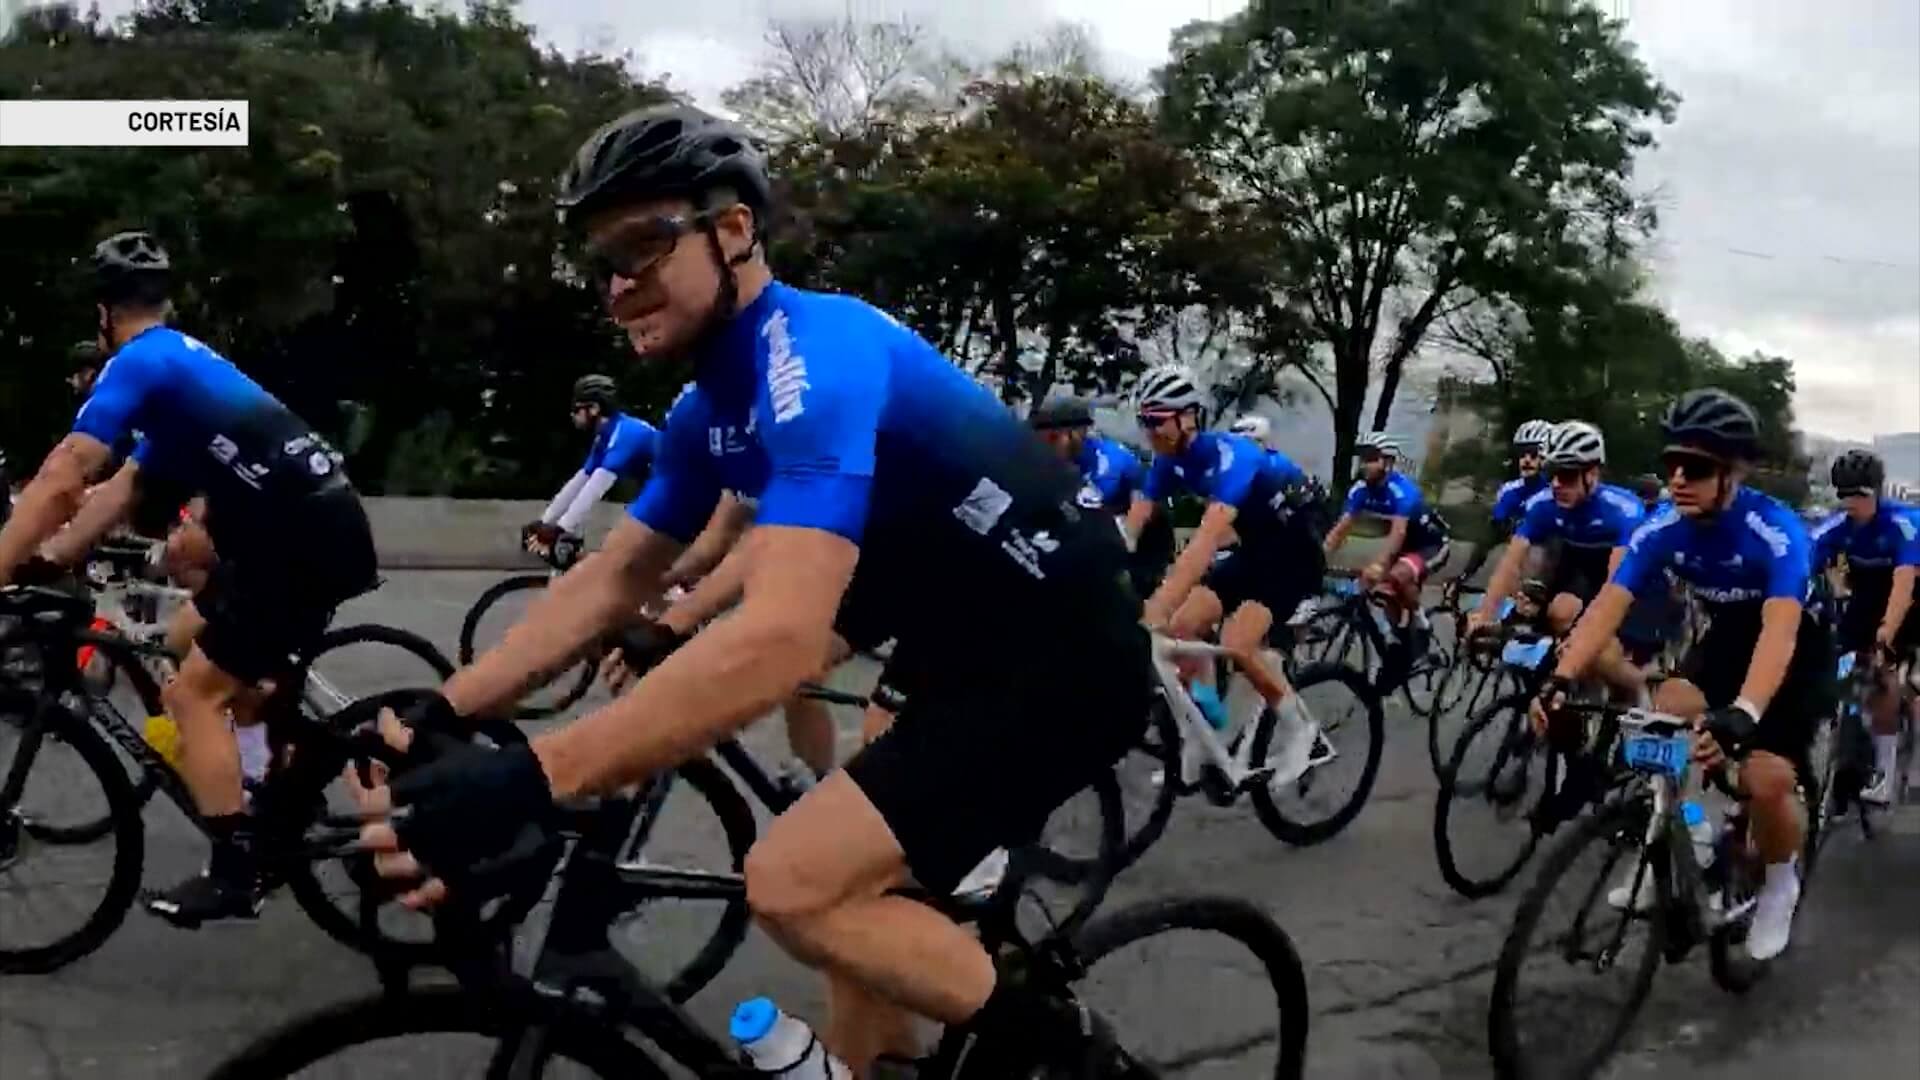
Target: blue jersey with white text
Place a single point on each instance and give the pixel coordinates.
(1604, 520)
(1889, 539)
(1396, 495)
(205, 426)
(836, 417)
(1112, 473)
(1222, 467)
(1755, 550)
(1512, 499)
(624, 446)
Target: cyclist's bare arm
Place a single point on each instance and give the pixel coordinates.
(1779, 630)
(106, 508)
(716, 593)
(601, 592)
(1506, 577)
(1338, 534)
(1139, 512)
(731, 516)
(50, 499)
(1597, 626)
(1900, 601)
(1216, 525)
(1613, 559)
(730, 674)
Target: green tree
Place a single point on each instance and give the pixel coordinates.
(1407, 155)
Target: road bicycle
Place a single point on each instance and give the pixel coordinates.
(62, 745)
(1844, 744)
(1644, 828)
(1349, 625)
(572, 998)
(500, 605)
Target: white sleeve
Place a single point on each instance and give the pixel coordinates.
(591, 492)
(565, 499)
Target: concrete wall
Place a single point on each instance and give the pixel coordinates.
(484, 534)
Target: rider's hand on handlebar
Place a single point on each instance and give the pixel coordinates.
(1550, 700)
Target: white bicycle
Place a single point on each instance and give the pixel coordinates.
(1308, 769)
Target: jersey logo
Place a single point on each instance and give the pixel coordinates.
(1905, 525)
(1775, 538)
(1226, 457)
(786, 370)
(982, 507)
(1089, 497)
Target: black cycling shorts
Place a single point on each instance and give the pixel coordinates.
(1865, 608)
(1276, 572)
(278, 577)
(1578, 573)
(988, 744)
(1717, 664)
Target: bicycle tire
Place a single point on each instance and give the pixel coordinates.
(1422, 689)
(736, 820)
(1503, 1036)
(440, 1010)
(574, 686)
(1160, 743)
(122, 660)
(1452, 789)
(129, 856)
(407, 641)
(1277, 821)
(1239, 920)
(360, 929)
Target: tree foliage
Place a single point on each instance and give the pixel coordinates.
(1404, 155)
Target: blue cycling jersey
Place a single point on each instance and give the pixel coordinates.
(1222, 467)
(1603, 521)
(1754, 550)
(624, 446)
(1511, 502)
(1112, 473)
(204, 425)
(836, 417)
(1398, 496)
(1889, 539)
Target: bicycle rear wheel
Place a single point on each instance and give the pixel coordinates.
(1146, 779)
(325, 1043)
(34, 764)
(498, 608)
(1342, 761)
(1232, 1034)
(349, 663)
(120, 692)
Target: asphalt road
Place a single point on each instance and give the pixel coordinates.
(1399, 968)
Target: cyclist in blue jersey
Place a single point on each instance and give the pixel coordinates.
(896, 498)
(1115, 479)
(1511, 500)
(1880, 540)
(293, 540)
(1763, 664)
(623, 447)
(1417, 536)
(1250, 494)
(1591, 523)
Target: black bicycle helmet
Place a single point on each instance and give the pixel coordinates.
(1858, 470)
(598, 390)
(130, 266)
(1061, 412)
(1715, 421)
(662, 152)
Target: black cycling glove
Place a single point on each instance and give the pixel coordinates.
(645, 644)
(481, 819)
(1733, 729)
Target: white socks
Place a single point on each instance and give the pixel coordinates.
(1886, 754)
(255, 755)
(1781, 875)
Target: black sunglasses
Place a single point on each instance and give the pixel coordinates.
(1568, 475)
(1369, 455)
(637, 245)
(1692, 467)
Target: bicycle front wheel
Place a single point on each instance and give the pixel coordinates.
(354, 662)
(1483, 818)
(64, 897)
(441, 1031)
(1571, 976)
(488, 620)
(1244, 967)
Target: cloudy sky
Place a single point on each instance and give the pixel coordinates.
(1789, 187)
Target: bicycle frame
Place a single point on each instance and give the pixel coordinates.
(1200, 744)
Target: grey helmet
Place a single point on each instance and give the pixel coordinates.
(1534, 433)
(1168, 387)
(1574, 444)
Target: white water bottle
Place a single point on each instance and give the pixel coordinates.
(1700, 830)
(780, 1045)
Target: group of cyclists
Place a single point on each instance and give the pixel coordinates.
(832, 482)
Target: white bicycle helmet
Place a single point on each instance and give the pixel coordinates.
(1168, 387)
(1376, 440)
(1254, 427)
(1533, 433)
(1574, 444)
